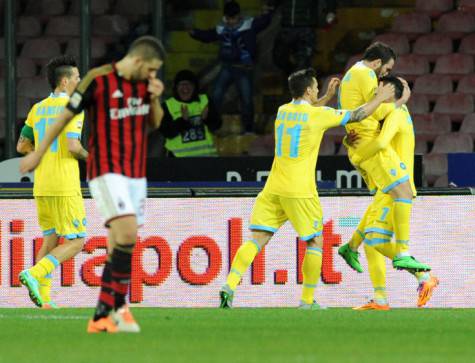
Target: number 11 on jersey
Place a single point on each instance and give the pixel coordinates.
(294, 133)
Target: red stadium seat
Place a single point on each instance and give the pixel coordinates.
(110, 25)
(435, 165)
(456, 105)
(434, 8)
(45, 7)
(63, 26)
(28, 27)
(36, 88)
(454, 65)
(398, 42)
(98, 7)
(467, 85)
(26, 68)
(410, 66)
(412, 24)
(140, 7)
(467, 45)
(468, 125)
(98, 48)
(418, 105)
(467, 5)
(432, 46)
(456, 24)
(453, 142)
(433, 85)
(428, 128)
(40, 49)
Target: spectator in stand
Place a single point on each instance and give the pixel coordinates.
(237, 54)
(189, 119)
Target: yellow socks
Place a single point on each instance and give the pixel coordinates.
(45, 288)
(44, 267)
(311, 268)
(243, 259)
(401, 221)
(377, 274)
(358, 236)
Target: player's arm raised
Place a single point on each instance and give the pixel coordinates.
(32, 160)
(383, 93)
(331, 90)
(155, 88)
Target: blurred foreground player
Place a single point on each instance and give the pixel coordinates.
(290, 192)
(120, 97)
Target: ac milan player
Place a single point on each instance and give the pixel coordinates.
(121, 99)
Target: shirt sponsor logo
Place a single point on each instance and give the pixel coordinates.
(136, 107)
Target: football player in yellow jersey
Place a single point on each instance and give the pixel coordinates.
(376, 227)
(57, 188)
(290, 192)
(384, 170)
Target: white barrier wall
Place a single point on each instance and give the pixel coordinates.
(184, 251)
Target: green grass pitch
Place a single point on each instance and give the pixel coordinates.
(243, 335)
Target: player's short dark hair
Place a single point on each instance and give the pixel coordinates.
(396, 82)
(58, 68)
(300, 80)
(379, 50)
(148, 48)
(231, 8)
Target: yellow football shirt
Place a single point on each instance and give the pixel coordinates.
(357, 88)
(58, 172)
(299, 129)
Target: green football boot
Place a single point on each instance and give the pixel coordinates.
(410, 264)
(226, 296)
(350, 257)
(312, 306)
(33, 287)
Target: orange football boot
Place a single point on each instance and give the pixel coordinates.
(103, 325)
(372, 305)
(425, 290)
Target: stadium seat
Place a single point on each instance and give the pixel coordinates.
(454, 65)
(28, 27)
(456, 24)
(327, 147)
(434, 8)
(410, 66)
(418, 105)
(26, 68)
(467, 45)
(140, 7)
(432, 46)
(352, 60)
(262, 146)
(63, 26)
(98, 7)
(412, 24)
(45, 7)
(442, 181)
(467, 5)
(98, 48)
(421, 146)
(398, 42)
(456, 105)
(110, 25)
(40, 49)
(453, 142)
(468, 125)
(435, 165)
(433, 85)
(467, 85)
(428, 128)
(36, 88)
(342, 150)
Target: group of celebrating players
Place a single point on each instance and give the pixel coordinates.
(122, 100)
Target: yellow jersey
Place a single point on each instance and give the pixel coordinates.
(58, 172)
(358, 87)
(299, 129)
(398, 133)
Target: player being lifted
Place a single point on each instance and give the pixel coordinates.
(376, 227)
(290, 192)
(120, 98)
(57, 188)
(385, 169)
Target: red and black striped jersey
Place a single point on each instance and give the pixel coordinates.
(118, 113)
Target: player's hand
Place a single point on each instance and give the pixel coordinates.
(184, 112)
(406, 93)
(204, 114)
(30, 162)
(155, 88)
(332, 87)
(352, 138)
(385, 92)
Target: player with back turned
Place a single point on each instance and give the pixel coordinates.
(290, 192)
(122, 98)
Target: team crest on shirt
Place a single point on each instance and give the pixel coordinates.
(76, 223)
(392, 172)
(117, 94)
